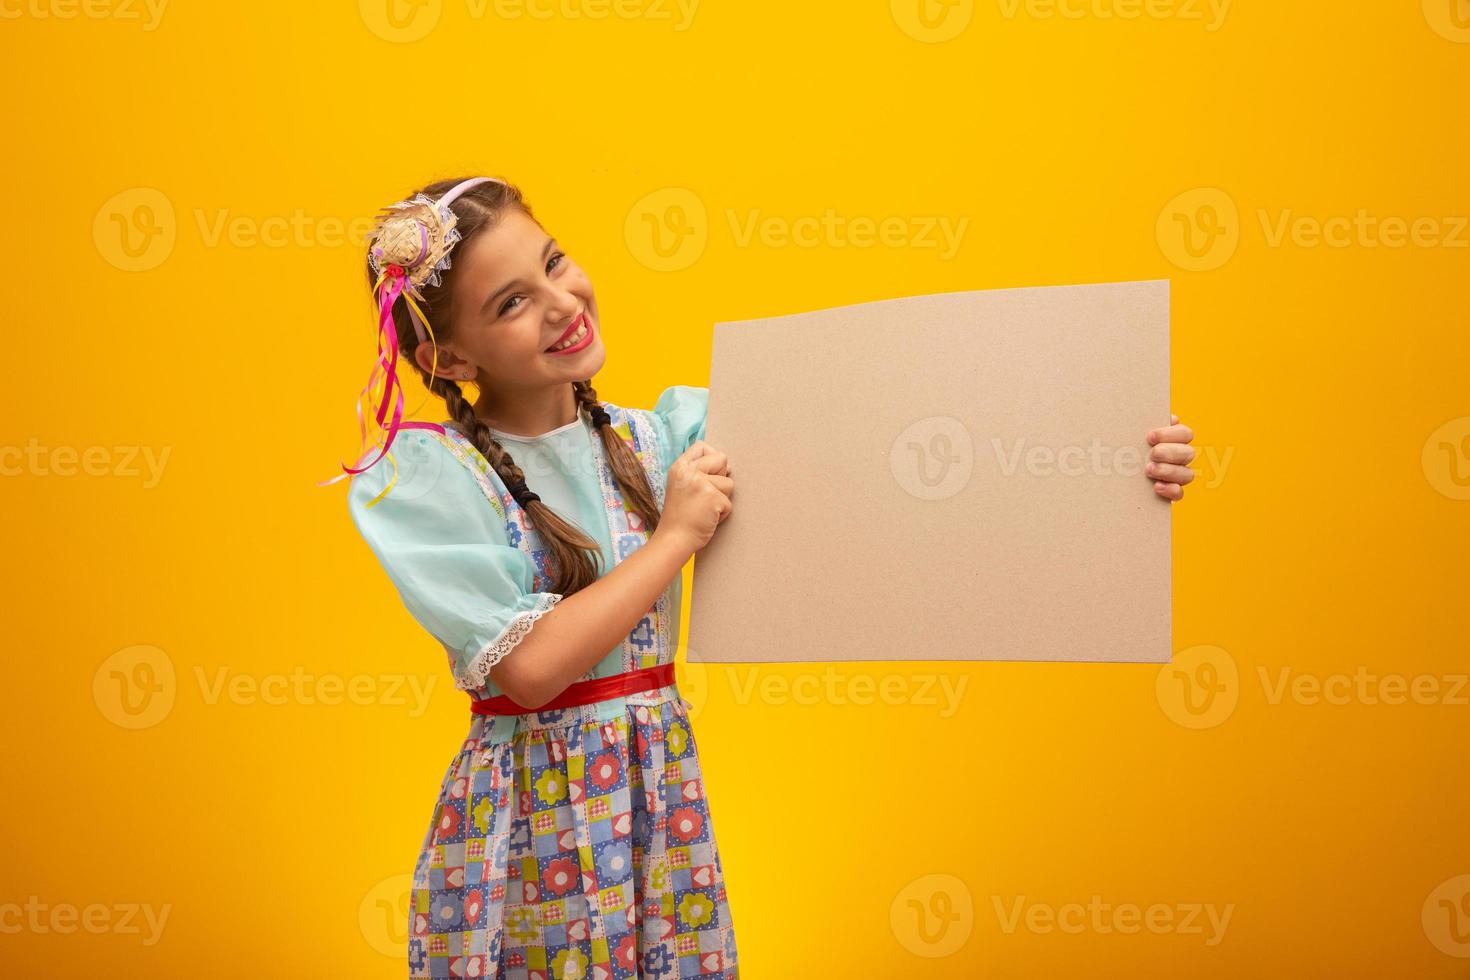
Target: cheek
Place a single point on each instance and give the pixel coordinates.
(505, 347)
(527, 343)
(577, 281)
(583, 290)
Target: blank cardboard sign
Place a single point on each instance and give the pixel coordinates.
(946, 477)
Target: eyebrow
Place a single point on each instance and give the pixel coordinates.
(489, 300)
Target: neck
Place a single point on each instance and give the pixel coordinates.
(529, 413)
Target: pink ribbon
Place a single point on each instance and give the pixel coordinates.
(386, 368)
(386, 365)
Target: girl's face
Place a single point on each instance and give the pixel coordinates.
(516, 296)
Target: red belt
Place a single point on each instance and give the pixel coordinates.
(585, 692)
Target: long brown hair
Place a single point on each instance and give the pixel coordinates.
(576, 557)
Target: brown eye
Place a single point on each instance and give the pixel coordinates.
(551, 264)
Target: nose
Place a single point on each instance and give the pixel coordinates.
(563, 307)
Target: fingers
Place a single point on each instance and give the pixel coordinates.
(1172, 452)
(724, 489)
(706, 458)
(723, 505)
(1170, 433)
(698, 449)
(1170, 458)
(712, 461)
(1169, 473)
(1169, 491)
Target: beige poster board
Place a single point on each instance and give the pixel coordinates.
(945, 477)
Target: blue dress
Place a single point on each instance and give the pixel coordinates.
(572, 843)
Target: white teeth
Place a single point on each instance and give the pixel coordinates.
(575, 338)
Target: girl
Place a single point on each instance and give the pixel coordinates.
(572, 836)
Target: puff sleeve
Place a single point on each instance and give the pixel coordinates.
(680, 414)
(444, 546)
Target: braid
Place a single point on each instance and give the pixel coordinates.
(474, 427)
(627, 468)
(587, 398)
(576, 556)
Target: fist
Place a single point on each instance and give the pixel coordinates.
(697, 496)
(1169, 459)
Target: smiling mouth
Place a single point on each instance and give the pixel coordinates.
(579, 331)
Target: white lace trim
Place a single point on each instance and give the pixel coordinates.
(651, 454)
(478, 669)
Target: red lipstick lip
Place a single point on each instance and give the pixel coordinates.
(577, 322)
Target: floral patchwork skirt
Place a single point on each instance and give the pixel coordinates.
(573, 844)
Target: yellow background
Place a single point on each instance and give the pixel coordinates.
(859, 840)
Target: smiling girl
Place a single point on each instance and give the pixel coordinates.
(571, 836)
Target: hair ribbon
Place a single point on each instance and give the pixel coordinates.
(410, 248)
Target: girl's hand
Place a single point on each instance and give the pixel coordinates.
(1168, 462)
(696, 496)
